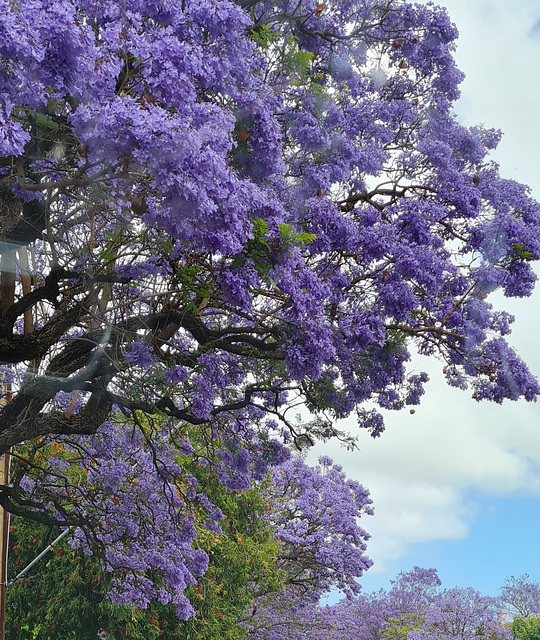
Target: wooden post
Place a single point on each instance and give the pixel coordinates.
(4, 524)
(9, 215)
(4, 541)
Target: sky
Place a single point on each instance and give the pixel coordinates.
(456, 485)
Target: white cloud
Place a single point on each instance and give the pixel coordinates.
(421, 470)
(410, 512)
(500, 56)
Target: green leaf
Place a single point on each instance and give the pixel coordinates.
(289, 238)
(44, 122)
(264, 36)
(305, 238)
(521, 253)
(260, 228)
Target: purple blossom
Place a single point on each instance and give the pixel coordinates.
(140, 355)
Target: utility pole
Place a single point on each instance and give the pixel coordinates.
(4, 523)
(4, 538)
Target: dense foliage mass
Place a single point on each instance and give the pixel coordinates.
(275, 538)
(65, 604)
(69, 591)
(216, 212)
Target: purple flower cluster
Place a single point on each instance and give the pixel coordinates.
(315, 519)
(415, 607)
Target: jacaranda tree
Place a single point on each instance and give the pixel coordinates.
(64, 596)
(386, 614)
(458, 614)
(290, 539)
(415, 608)
(522, 595)
(213, 213)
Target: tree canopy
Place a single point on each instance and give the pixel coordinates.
(215, 216)
(416, 607)
(522, 595)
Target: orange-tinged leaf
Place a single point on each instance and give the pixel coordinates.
(243, 135)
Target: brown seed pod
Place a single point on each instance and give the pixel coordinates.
(148, 98)
(319, 193)
(319, 9)
(397, 44)
(139, 206)
(124, 160)
(403, 64)
(243, 135)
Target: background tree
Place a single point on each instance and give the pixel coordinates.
(400, 627)
(213, 213)
(414, 608)
(526, 628)
(296, 615)
(462, 613)
(415, 590)
(389, 613)
(65, 595)
(258, 553)
(314, 516)
(522, 595)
